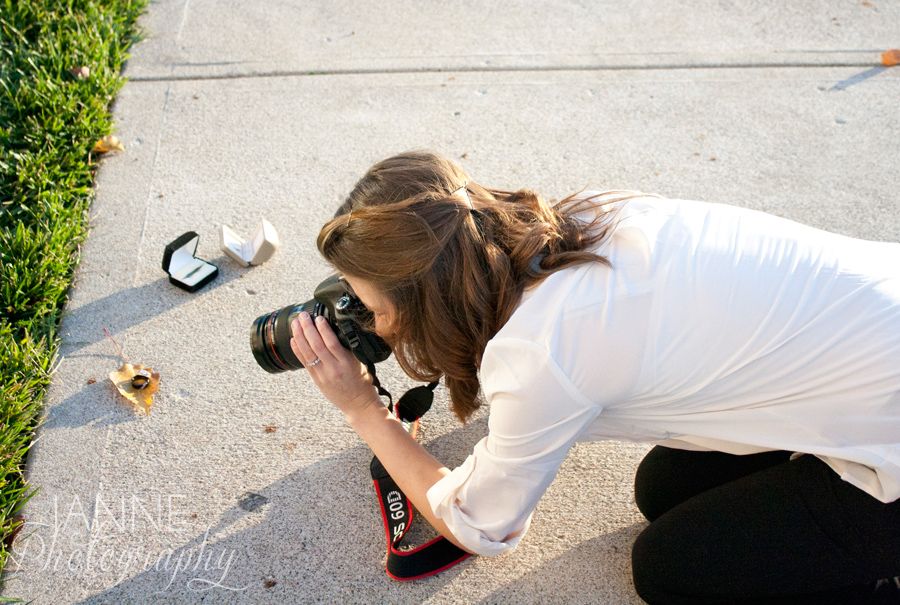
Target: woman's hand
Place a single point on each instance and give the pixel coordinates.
(334, 369)
(347, 384)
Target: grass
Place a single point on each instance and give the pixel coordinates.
(49, 121)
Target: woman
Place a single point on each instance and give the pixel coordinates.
(761, 355)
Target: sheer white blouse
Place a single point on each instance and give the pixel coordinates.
(717, 327)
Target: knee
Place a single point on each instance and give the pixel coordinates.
(648, 567)
(650, 480)
(666, 565)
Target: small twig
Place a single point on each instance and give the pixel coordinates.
(118, 348)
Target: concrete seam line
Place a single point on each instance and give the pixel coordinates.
(355, 72)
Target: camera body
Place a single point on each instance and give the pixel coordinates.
(333, 299)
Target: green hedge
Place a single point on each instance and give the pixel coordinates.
(49, 121)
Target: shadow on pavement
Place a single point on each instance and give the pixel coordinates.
(129, 307)
(314, 535)
(595, 571)
(857, 78)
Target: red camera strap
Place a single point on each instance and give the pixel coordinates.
(404, 563)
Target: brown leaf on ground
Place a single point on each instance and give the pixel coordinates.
(270, 428)
(91, 380)
(891, 57)
(141, 398)
(108, 143)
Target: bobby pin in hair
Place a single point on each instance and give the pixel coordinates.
(465, 192)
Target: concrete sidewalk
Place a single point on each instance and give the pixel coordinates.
(237, 110)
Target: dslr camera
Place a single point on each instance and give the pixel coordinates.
(270, 336)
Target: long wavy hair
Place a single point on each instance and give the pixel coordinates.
(455, 273)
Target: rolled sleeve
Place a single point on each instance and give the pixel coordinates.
(488, 501)
(450, 501)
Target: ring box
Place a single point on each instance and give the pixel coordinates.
(184, 268)
(254, 251)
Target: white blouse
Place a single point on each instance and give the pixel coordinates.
(718, 328)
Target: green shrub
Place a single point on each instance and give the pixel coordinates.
(49, 121)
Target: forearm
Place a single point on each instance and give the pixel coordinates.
(409, 464)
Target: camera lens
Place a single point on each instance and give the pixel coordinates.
(270, 338)
(270, 334)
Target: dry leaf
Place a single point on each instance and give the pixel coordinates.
(108, 143)
(91, 380)
(82, 72)
(270, 428)
(142, 398)
(891, 57)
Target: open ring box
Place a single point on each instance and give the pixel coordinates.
(254, 251)
(186, 270)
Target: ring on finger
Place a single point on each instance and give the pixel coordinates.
(314, 363)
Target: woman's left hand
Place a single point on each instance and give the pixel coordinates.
(338, 373)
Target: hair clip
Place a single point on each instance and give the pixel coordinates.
(465, 195)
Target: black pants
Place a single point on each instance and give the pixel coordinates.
(760, 529)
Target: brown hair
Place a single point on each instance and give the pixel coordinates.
(455, 274)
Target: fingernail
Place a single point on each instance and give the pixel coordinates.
(320, 319)
(304, 315)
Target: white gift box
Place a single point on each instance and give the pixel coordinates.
(254, 251)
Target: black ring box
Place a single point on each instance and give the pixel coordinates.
(184, 268)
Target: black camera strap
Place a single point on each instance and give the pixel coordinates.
(404, 562)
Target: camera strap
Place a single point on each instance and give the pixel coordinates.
(404, 562)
